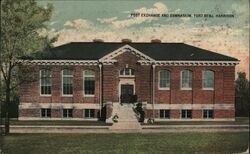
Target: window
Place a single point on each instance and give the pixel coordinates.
(45, 113)
(164, 80)
(67, 113)
(186, 80)
(89, 82)
(164, 114)
(67, 82)
(208, 114)
(186, 114)
(208, 80)
(89, 113)
(45, 82)
(127, 72)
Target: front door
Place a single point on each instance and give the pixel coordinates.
(127, 92)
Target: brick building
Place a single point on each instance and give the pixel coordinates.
(173, 81)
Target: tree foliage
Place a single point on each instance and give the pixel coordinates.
(242, 95)
(22, 22)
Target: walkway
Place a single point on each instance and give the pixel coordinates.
(145, 129)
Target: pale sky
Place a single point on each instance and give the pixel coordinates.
(111, 21)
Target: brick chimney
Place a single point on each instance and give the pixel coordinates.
(126, 40)
(155, 41)
(98, 40)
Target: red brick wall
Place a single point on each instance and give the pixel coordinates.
(56, 113)
(196, 114)
(175, 114)
(224, 114)
(223, 90)
(29, 113)
(31, 93)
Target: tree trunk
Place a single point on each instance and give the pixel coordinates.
(7, 118)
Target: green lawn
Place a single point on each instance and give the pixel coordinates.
(238, 121)
(126, 143)
(59, 122)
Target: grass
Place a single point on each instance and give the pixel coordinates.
(126, 143)
(59, 122)
(238, 121)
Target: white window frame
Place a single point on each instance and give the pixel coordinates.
(83, 88)
(203, 78)
(88, 114)
(40, 83)
(67, 95)
(184, 88)
(46, 112)
(67, 113)
(164, 117)
(159, 78)
(130, 73)
(186, 114)
(207, 114)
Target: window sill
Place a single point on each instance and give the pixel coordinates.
(208, 89)
(127, 76)
(41, 95)
(186, 88)
(88, 95)
(67, 95)
(163, 88)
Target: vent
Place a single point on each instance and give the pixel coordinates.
(126, 40)
(98, 40)
(155, 41)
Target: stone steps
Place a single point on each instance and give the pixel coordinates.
(127, 118)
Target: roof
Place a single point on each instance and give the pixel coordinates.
(157, 51)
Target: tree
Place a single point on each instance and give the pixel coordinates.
(242, 95)
(21, 23)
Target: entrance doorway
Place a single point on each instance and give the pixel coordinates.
(127, 92)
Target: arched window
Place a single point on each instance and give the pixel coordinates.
(208, 79)
(45, 82)
(164, 80)
(127, 72)
(67, 80)
(186, 80)
(88, 83)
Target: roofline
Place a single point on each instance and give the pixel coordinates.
(142, 62)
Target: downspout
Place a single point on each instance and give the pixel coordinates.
(100, 89)
(153, 90)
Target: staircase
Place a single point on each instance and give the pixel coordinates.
(127, 118)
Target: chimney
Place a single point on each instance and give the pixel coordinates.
(126, 40)
(98, 40)
(155, 41)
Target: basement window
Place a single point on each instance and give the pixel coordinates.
(45, 113)
(186, 114)
(67, 113)
(164, 114)
(89, 113)
(208, 114)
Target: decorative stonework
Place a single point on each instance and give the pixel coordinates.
(189, 63)
(126, 48)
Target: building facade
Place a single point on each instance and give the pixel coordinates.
(173, 81)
